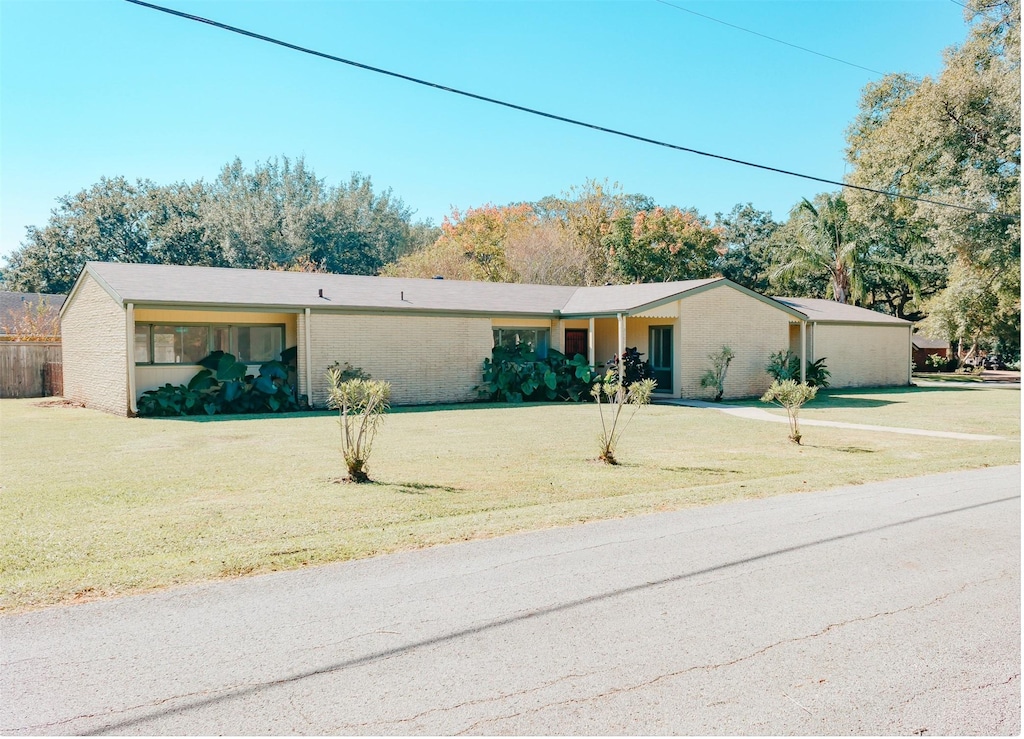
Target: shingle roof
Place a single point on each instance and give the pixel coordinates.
(829, 311)
(923, 342)
(15, 301)
(177, 285)
(162, 284)
(623, 298)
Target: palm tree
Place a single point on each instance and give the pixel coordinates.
(825, 245)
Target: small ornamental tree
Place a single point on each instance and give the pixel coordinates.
(361, 405)
(34, 321)
(609, 392)
(791, 395)
(715, 377)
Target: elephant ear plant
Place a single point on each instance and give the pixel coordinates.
(361, 405)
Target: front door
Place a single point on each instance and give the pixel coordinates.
(660, 356)
(575, 342)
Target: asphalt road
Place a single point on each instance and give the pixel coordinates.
(889, 608)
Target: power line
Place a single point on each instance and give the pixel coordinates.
(552, 116)
(770, 38)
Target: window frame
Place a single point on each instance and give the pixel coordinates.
(149, 325)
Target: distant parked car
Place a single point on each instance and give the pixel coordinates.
(994, 362)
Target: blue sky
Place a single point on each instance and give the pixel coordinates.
(105, 88)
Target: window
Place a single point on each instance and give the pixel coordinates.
(257, 344)
(166, 344)
(142, 344)
(535, 338)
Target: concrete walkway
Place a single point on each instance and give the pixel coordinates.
(757, 414)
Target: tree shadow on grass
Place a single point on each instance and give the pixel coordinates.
(844, 449)
(710, 470)
(318, 413)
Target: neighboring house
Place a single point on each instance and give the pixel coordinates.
(923, 347)
(24, 314)
(128, 328)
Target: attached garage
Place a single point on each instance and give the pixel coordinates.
(861, 348)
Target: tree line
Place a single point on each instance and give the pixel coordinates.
(954, 137)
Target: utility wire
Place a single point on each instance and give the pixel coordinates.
(770, 38)
(552, 116)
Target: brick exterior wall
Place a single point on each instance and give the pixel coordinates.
(864, 356)
(94, 338)
(427, 359)
(724, 316)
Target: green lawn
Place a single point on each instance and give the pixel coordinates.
(975, 410)
(96, 505)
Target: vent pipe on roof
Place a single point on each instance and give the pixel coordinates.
(438, 277)
(321, 292)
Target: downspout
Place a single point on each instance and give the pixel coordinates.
(590, 344)
(910, 354)
(309, 362)
(129, 323)
(803, 352)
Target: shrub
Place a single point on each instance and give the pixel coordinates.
(223, 386)
(635, 367)
(348, 372)
(818, 374)
(790, 395)
(516, 374)
(939, 363)
(785, 365)
(715, 377)
(361, 405)
(617, 396)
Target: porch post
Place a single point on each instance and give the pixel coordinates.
(803, 352)
(590, 344)
(309, 361)
(622, 348)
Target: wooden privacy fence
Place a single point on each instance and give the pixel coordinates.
(30, 369)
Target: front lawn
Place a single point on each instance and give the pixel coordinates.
(986, 409)
(97, 505)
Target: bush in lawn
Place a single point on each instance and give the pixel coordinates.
(791, 395)
(715, 377)
(516, 374)
(361, 405)
(608, 392)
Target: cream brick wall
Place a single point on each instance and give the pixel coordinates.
(427, 359)
(94, 337)
(864, 356)
(724, 316)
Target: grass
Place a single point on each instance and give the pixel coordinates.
(948, 377)
(981, 410)
(95, 505)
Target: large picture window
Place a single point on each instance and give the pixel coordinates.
(535, 338)
(188, 344)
